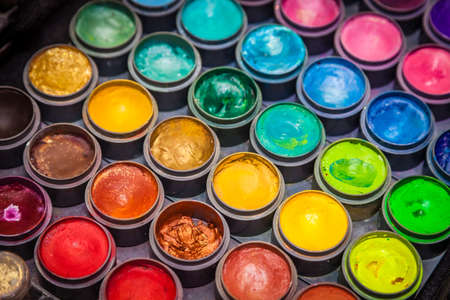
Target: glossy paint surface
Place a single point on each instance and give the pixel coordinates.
(442, 151)
(439, 17)
(329, 292)
(311, 13)
(16, 113)
(153, 3)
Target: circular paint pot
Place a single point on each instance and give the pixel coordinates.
(257, 10)
(254, 270)
(19, 119)
(356, 172)
(374, 42)
(156, 15)
(15, 276)
(141, 278)
(227, 99)
(438, 158)
(73, 255)
(336, 90)
(194, 262)
(124, 197)
(182, 150)
(214, 27)
(417, 208)
(424, 72)
(273, 55)
(436, 23)
(26, 211)
(247, 189)
(314, 21)
(290, 136)
(325, 290)
(166, 64)
(400, 125)
(106, 30)
(62, 158)
(119, 113)
(314, 228)
(382, 252)
(60, 77)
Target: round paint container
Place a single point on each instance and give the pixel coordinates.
(356, 172)
(227, 99)
(247, 189)
(254, 271)
(257, 10)
(73, 255)
(19, 119)
(382, 265)
(166, 64)
(214, 27)
(314, 228)
(424, 72)
(106, 30)
(15, 277)
(273, 55)
(62, 158)
(156, 15)
(290, 136)
(417, 208)
(26, 210)
(60, 77)
(438, 158)
(120, 113)
(325, 290)
(141, 278)
(196, 259)
(336, 90)
(124, 197)
(314, 21)
(374, 42)
(436, 23)
(182, 150)
(400, 125)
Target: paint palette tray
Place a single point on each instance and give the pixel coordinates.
(208, 291)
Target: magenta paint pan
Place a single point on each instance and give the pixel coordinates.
(425, 72)
(19, 120)
(314, 21)
(436, 23)
(373, 42)
(25, 210)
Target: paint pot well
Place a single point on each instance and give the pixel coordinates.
(273, 55)
(166, 64)
(62, 157)
(316, 243)
(106, 30)
(60, 77)
(436, 23)
(247, 189)
(407, 13)
(26, 211)
(143, 278)
(328, 290)
(15, 276)
(417, 208)
(438, 158)
(400, 125)
(73, 255)
(120, 113)
(19, 120)
(336, 90)
(355, 38)
(194, 263)
(227, 99)
(256, 270)
(290, 136)
(181, 150)
(393, 256)
(314, 21)
(124, 197)
(355, 172)
(214, 27)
